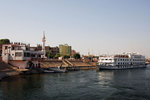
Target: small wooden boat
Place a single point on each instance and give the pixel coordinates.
(49, 71)
(58, 69)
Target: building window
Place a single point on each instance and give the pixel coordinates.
(18, 54)
(26, 54)
(6, 47)
(13, 48)
(32, 55)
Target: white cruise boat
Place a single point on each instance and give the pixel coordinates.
(121, 61)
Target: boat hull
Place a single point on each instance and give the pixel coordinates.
(100, 67)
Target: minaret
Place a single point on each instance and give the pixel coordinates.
(43, 46)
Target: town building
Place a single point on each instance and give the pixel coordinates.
(19, 51)
(65, 50)
(52, 50)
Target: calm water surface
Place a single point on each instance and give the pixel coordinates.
(132, 84)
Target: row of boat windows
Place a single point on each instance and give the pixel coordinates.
(129, 63)
(124, 66)
(129, 59)
(125, 59)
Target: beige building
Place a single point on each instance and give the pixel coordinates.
(65, 50)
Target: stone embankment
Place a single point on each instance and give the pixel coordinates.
(67, 63)
(7, 70)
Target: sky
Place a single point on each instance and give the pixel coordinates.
(89, 26)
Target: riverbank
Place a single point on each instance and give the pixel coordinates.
(7, 70)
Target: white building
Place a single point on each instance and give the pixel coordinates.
(18, 51)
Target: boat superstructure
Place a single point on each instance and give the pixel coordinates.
(122, 61)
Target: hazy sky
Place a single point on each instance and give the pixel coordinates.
(95, 26)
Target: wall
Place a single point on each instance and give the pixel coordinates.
(19, 64)
(22, 64)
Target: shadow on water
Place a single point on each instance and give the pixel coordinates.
(15, 88)
(82, 85)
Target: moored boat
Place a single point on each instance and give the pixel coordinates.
(121, 61)
(58, 69)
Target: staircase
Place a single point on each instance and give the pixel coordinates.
(69, 63)
(65, 63)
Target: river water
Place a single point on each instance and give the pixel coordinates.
(131, 84)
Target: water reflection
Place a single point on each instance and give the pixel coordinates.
(16, 87)
(105, 77)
